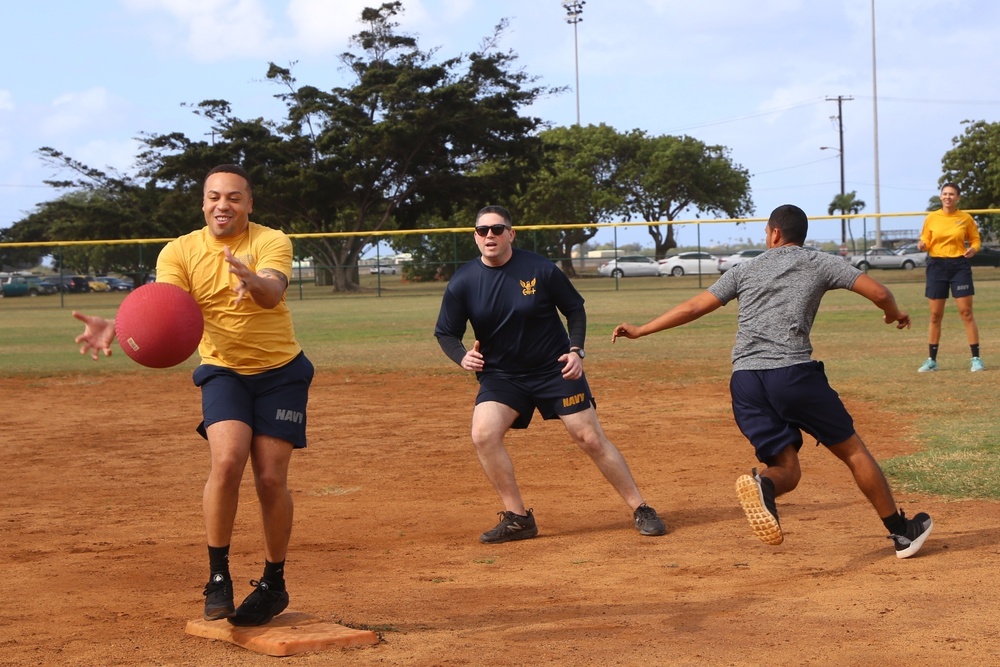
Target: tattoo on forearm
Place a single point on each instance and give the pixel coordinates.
(274, 273)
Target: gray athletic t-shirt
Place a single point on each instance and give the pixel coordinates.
(779, 293)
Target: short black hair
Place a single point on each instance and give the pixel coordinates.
(949, 184)
(499, 210)
(792, 222)
(232, 169)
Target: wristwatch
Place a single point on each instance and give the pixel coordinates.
(579, 351)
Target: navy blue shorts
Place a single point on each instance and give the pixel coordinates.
(552, 394)
(773, 407)
(272, 403)
(949, 272)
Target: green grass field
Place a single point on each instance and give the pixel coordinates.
(950, 414)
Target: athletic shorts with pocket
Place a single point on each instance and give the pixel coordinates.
(773, 407)
(552, 394)
(272, 403)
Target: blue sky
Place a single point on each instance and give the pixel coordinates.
(89, 78)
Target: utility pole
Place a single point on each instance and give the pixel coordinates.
(840, 99)
(573, 11)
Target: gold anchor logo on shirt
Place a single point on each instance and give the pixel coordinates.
(528, 286)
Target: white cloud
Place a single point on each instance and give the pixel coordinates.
(101, 154)
(6, 101)
(215, 29)
(71, 112)
(321, 25)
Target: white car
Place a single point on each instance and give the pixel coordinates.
(727, 263)
(883, 258)
(689, 262)
(630, 265)
(383, 268)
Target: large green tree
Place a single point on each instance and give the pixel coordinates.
(973, 163)
(412, 140)
(664, 176)
(402, 144)
(577, 184)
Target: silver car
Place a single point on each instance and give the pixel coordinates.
(630, 265)
(883, 258)
(911, 250)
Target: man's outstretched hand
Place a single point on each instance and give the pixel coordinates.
(97, 336)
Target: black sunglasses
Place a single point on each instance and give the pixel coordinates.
(496, 229)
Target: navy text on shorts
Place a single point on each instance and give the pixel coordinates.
(551, 393)
(773, 407)
(272, 403)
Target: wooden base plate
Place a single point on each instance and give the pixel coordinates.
(289, 633)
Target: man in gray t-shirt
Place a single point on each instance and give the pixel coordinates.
(778, 390)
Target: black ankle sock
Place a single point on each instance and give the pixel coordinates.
(933, 352)
(218, 560)
(975, 349)
(768, 482)
(894, 524)
(274, 574)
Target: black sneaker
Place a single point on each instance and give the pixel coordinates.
(511, 527)
(260, 606)
(218, 597)
(647, 522)
(917, 530)
(757, 498)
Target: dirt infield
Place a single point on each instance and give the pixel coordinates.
(105, 559)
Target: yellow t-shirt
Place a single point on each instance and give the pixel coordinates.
(945, 234)
(245, 337)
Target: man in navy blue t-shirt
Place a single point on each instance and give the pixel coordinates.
(524, 359)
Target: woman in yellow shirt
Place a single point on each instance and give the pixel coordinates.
(950, 237)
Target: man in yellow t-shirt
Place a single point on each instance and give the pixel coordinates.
(950, 237)
(253, 375)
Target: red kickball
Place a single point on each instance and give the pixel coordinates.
(159, 325)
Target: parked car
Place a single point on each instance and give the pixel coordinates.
(43, 287)
(911, 250)
(71, 283)
(19, 285)
(883, 258)
(630, 265)
(729, 262)
(986, 257)
(383, 268)
(689, 262)
(97, 285)
(116, 284)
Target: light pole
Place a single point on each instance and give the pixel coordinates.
(573, 11)
(878, 204)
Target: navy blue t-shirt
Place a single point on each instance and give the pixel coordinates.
(514, 311)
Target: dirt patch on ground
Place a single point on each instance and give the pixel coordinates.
(105, 559)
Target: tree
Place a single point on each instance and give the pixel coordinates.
(576, 184)
(404, 143)
(411, 140)
(100, 205)
(973, 163)
(666, 175)
(846, 204)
